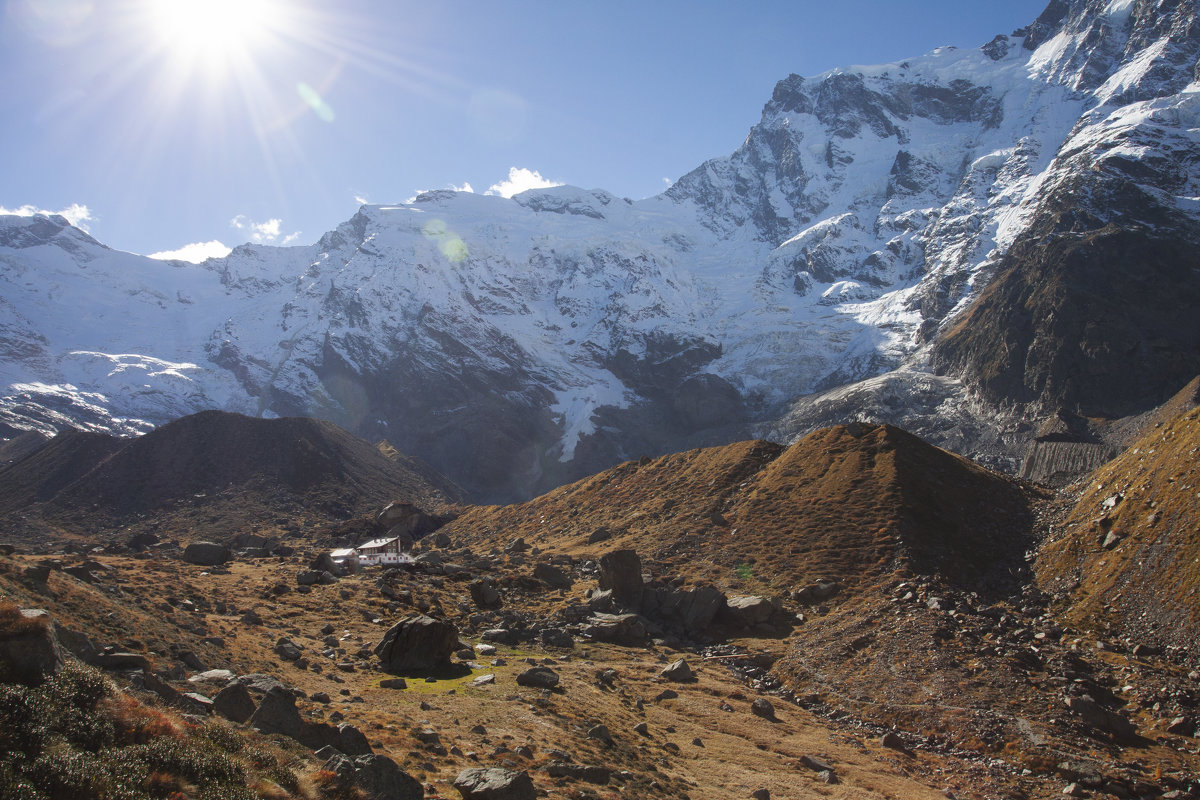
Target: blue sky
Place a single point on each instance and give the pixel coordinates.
(169, 122)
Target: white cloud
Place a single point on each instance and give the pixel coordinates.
(466, 187)
(262, 232)
(195, 252)
(668, 182)
(362, 201)
(76, 213)
(520, 180)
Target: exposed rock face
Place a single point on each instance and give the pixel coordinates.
(234, 703)
(29, 649)
(417, 644)
(621, 572)
(277, 713)
(206, 554)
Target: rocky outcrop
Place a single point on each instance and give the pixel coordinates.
(29, 649)
(377, 777)
(206, 554)
(621, 573)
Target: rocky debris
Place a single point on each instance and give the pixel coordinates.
(29, 649)
(206, 554)
(589, 773)
(538, 678)
(623, 629)
(552, 576)
(196, 703)
(376, 776)
(599, 535)
(234, 703)
(762, 707)
(494, 784)
(417, 644)
(621, 573)
(312, 577)
(678, 671)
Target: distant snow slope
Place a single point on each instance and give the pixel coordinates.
(517, 343)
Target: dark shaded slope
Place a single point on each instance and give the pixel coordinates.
(216, 475)
(1086, 316)
(40, 474)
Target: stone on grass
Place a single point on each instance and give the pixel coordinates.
(538, 678)
(762, 707)
(494, 784)
(678, 671)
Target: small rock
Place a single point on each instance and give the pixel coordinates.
(762, 707)
(678, 671)
(600, 733)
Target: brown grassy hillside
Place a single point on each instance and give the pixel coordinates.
(853, 503)
(1146, 505)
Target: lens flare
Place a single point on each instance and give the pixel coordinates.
(312, 98)
(449, 244)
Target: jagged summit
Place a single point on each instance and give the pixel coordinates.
(877, 232)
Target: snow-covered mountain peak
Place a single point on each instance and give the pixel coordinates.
(518, 342)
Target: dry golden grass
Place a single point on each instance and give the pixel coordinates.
(1153, 569)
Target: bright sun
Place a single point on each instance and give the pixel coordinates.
(210, 30)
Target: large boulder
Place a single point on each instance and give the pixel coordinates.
(234, 703)
(376, 777)
(206, 554)
(690, 612)
(29, 649)
(277, 713)
(621, 571)
(494, 784)
(745, 613)
(417, 644)
(623, 629)
(552, 576)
